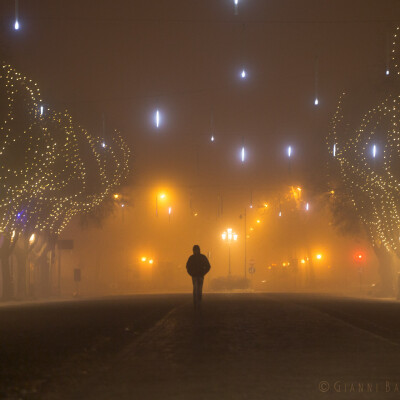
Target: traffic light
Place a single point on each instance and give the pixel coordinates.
(359, 257)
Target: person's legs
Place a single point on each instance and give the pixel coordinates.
(200, 287)
(195, 290)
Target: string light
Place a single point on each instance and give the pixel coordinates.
(374, 193)
(395, 58)
(44, 192)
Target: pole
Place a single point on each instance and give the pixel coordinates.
(59, 270)
(245, 243)
(229, 258)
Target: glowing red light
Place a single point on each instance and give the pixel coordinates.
(359, 257)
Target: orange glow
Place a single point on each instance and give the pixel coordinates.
(116, 196)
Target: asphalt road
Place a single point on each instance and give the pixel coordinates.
(240, 346)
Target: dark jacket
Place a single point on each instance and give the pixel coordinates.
(197, 265)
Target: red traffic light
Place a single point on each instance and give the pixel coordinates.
(359, 257)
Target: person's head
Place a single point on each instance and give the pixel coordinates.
(196, 249)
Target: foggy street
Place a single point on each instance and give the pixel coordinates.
(152, 151)
(241, 346)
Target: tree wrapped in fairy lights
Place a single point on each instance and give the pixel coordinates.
(368, 161)
(51, 169)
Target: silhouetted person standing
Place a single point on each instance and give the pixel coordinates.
(197, 266)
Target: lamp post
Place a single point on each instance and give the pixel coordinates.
(162, 196)
(229, 237)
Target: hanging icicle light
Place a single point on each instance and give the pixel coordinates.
(41, 110)
(236, 3)
(387, 72)
(243, 74)
(289, 151)
(157, 118)
(212, 126)
(307, 207)
(316, 101)
(243, 154)
(16, 24)
(374, 150)
(334, 150)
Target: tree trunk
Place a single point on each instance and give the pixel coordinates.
(6, 275)
(21, 252)
(21, 280)
(44, 274)
(5, 252)
(385, 270)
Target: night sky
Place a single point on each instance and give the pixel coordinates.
(121, 60)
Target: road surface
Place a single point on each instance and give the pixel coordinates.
(240, 346)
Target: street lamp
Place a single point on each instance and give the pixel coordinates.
(229, 236)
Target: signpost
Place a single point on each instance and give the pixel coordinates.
(252, 269)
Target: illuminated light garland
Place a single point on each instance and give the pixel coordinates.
(375, 192)
(46, 162)
(394, 53)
